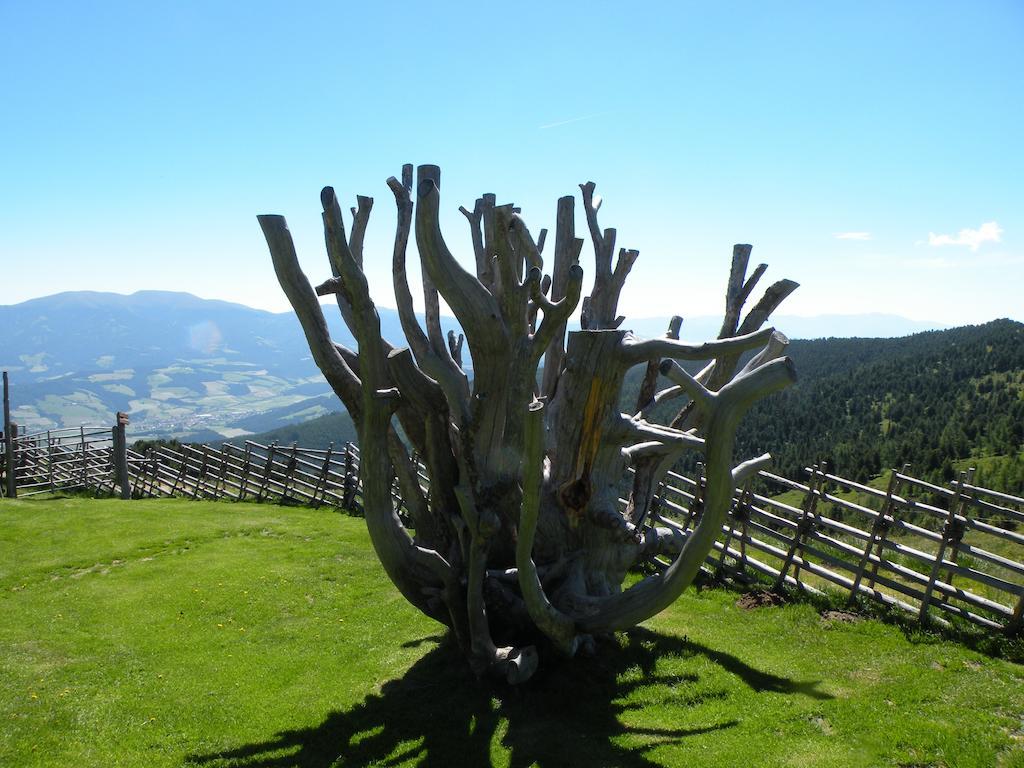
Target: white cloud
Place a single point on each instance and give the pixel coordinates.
(852, 235)
(989, 232)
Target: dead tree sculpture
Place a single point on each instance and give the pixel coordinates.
(519, 536)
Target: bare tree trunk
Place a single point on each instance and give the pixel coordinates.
(521, 537)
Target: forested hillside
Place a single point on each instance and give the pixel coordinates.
(336, 428)
(864, 405)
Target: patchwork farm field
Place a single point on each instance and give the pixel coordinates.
(167, 632)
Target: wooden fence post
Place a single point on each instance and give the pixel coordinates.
(202, 474)
(952, 531)
(351, 482)
(804, 526)
(221, 478)
(894, 506)
(879, 530)
(737, 515)
(697, 505)
(148, 485)
(49, 460)
(182, 468)
(743, 515)
(246, 468)
(289, 470)
(12, 488)
(121, 456)
(321, 481)
(1017, 621)
(267, 469)
(957, 534)
(85, 476)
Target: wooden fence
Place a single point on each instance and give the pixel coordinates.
(62, 460)
(59, 459)
(957, 554)
(926, 549)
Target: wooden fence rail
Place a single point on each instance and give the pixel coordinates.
(929, 550)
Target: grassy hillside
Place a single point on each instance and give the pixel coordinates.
(165, 632)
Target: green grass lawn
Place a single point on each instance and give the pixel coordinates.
(165, 632)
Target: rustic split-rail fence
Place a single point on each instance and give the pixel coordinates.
(932, 551)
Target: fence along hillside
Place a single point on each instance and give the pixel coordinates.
(931, 551)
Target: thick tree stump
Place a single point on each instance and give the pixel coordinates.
(520, 538)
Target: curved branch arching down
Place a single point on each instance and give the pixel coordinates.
(517, 539)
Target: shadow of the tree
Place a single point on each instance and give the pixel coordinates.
(439, 715)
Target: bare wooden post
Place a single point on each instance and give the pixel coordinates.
(1017, 620)
(878, 532)
(697, 505)
(201, 476)
(246, 468)
(221, 478)
(180, 477)
(267, 469)
(803, 527)
(737, 516)
(12, 488)
(742, 514)
(154, 465)
(957, 533)
(348, 493)
(49, 459)
(148, 484)
(952, 530)
(893, 507)
(81, 437)
(121, 456)
(289, 470)
(137, 480)
(321, 481)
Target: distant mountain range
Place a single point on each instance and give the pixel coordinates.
(202, 369)
(181, 366)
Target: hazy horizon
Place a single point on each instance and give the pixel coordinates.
(869, 152)
(696, 327)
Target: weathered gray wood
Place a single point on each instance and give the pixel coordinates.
(878, 531)
(951, 531)
(268, 468)
(84, 467)
(804, 527)
(321, 481)
(289, 470)
(11, 484)
(49, 460)
(474, 438)
(956, 526)
(121, 460)
(246, 469)
(567, 252)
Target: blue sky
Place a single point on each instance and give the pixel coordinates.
(870, 151)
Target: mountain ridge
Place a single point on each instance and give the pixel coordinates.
(193, 368)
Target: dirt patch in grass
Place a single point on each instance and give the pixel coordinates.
(760, 598)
